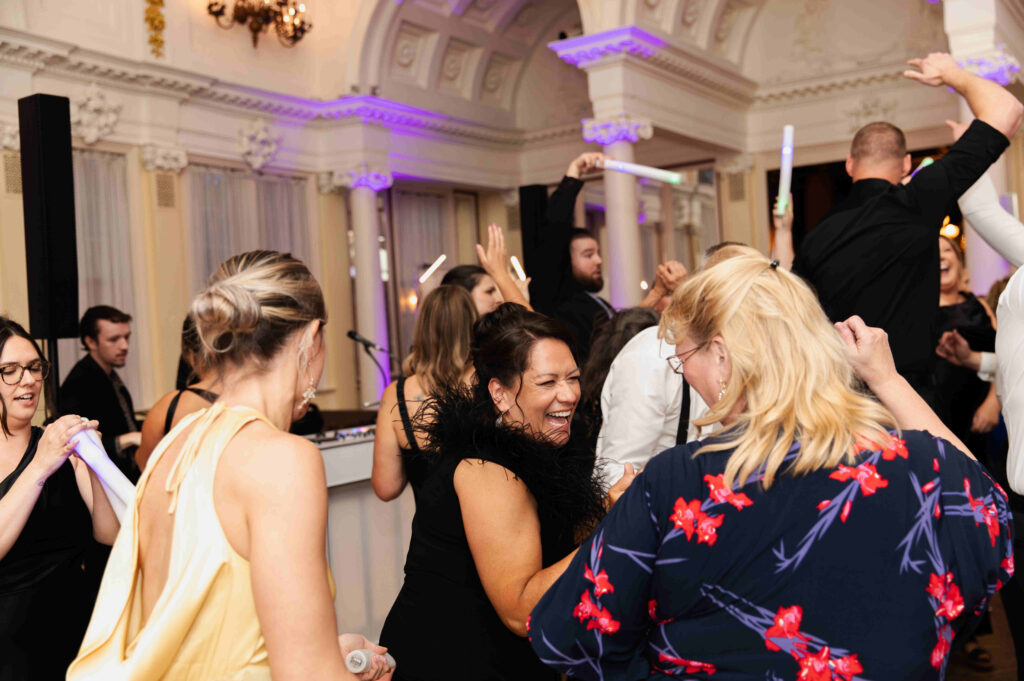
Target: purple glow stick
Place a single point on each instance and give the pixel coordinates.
(120, 491)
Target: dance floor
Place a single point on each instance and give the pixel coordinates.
(998, 643)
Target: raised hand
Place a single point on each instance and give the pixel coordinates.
(619, 488)
(670, 275)
(868, 350)
(585, 163)
(935, 69)
(494, 258)
(785, 221)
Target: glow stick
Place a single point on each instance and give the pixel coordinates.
(433, 268)
(785, 170)
(925, 162)
(518, 268)
(119, 490)
(641, 171)
(358, 661)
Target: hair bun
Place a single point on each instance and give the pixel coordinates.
(223, 312)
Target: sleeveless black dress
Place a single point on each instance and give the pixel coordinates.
(442, 625)
(45, 601)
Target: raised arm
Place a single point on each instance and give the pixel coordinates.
(782, 246)
(868, 351)
(989, 101)
(1003, 232)
(494, 259)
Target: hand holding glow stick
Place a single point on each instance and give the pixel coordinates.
(120, 491)
(785, 170)
(359, 661)
(641, 171)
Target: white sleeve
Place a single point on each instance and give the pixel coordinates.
(987, 368)
(640, 404)
(980, 206)
(1010, 375)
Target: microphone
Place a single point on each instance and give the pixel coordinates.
(358, 661)
(354, 335)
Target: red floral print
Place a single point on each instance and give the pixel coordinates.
(603, 622)
(689, 666)
(816, 667)
(721, 493)
(896, 447)
(601, 584)
(942, 589)
(990, 514)
(940, 650)
(848, 667)
(707, 528)
(686, 515)
(1007, 564)
(786, 625)
(652, 609)
(866, 474)
(585, 609)
(846, 510)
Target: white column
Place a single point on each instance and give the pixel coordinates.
(371, 305)
(622, 258)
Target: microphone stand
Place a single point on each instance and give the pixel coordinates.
(383, 374)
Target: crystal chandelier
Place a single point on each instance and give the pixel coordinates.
(288, 18)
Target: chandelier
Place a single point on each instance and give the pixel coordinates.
(287, 16)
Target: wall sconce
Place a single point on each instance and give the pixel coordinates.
(287, 16)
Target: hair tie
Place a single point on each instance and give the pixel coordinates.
(775, 264)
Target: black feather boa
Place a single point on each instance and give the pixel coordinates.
(564, 480)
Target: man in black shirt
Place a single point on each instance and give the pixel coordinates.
(93, 388)
(876, 254)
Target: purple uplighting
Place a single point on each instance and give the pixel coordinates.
(999, 68)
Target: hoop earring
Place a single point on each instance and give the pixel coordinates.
(721, 393)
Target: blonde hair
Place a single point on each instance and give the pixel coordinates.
(442, 338)
(252, 303)
(788, 363)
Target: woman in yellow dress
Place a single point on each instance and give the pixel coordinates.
(220, 570)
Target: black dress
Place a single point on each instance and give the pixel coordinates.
(960, 391)
(442, 625)
(44, 600)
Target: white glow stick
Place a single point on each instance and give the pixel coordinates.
(359, 661)
(785, 171)
(433, 268)
(641, 171)
(518, 268)
(119, 489)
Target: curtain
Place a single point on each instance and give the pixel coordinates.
(104, 236)
(234, 211)
(419, 237)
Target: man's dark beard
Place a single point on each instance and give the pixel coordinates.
(590, 285)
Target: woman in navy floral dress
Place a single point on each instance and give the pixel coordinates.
(810, 538)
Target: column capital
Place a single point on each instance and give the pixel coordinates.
(623, 127)
(363, 175)
(10, 137)
(156, 157)
(998, 65)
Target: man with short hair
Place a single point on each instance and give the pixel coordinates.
(876, 254)
(94, 390)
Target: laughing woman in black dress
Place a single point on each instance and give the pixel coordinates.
(510, 490)
(45, 527)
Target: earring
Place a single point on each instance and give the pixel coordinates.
(721, 393)
(308, 395)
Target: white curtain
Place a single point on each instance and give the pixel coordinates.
(419, 237)
(103, 233)
(234, 211)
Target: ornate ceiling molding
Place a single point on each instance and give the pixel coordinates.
(695, 67)
(156, 157)
(617, 129)
(363, 175)
(814, 88)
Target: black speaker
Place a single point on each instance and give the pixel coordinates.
(48, 195)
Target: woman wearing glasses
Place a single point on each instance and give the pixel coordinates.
(51, 507)
(818, 535)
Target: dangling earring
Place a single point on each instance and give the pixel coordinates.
(308, 395)
(500, 421)
(721, 393)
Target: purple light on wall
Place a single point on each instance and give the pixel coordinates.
(998, 68)
(624, 40)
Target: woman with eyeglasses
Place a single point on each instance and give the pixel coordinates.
(819, 535)
(51, 507)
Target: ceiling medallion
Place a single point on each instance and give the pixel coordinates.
(288, 18)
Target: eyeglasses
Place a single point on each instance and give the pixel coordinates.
(12, 373)
(676, 361)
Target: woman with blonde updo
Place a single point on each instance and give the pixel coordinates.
(221, 571)
(843, 547)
